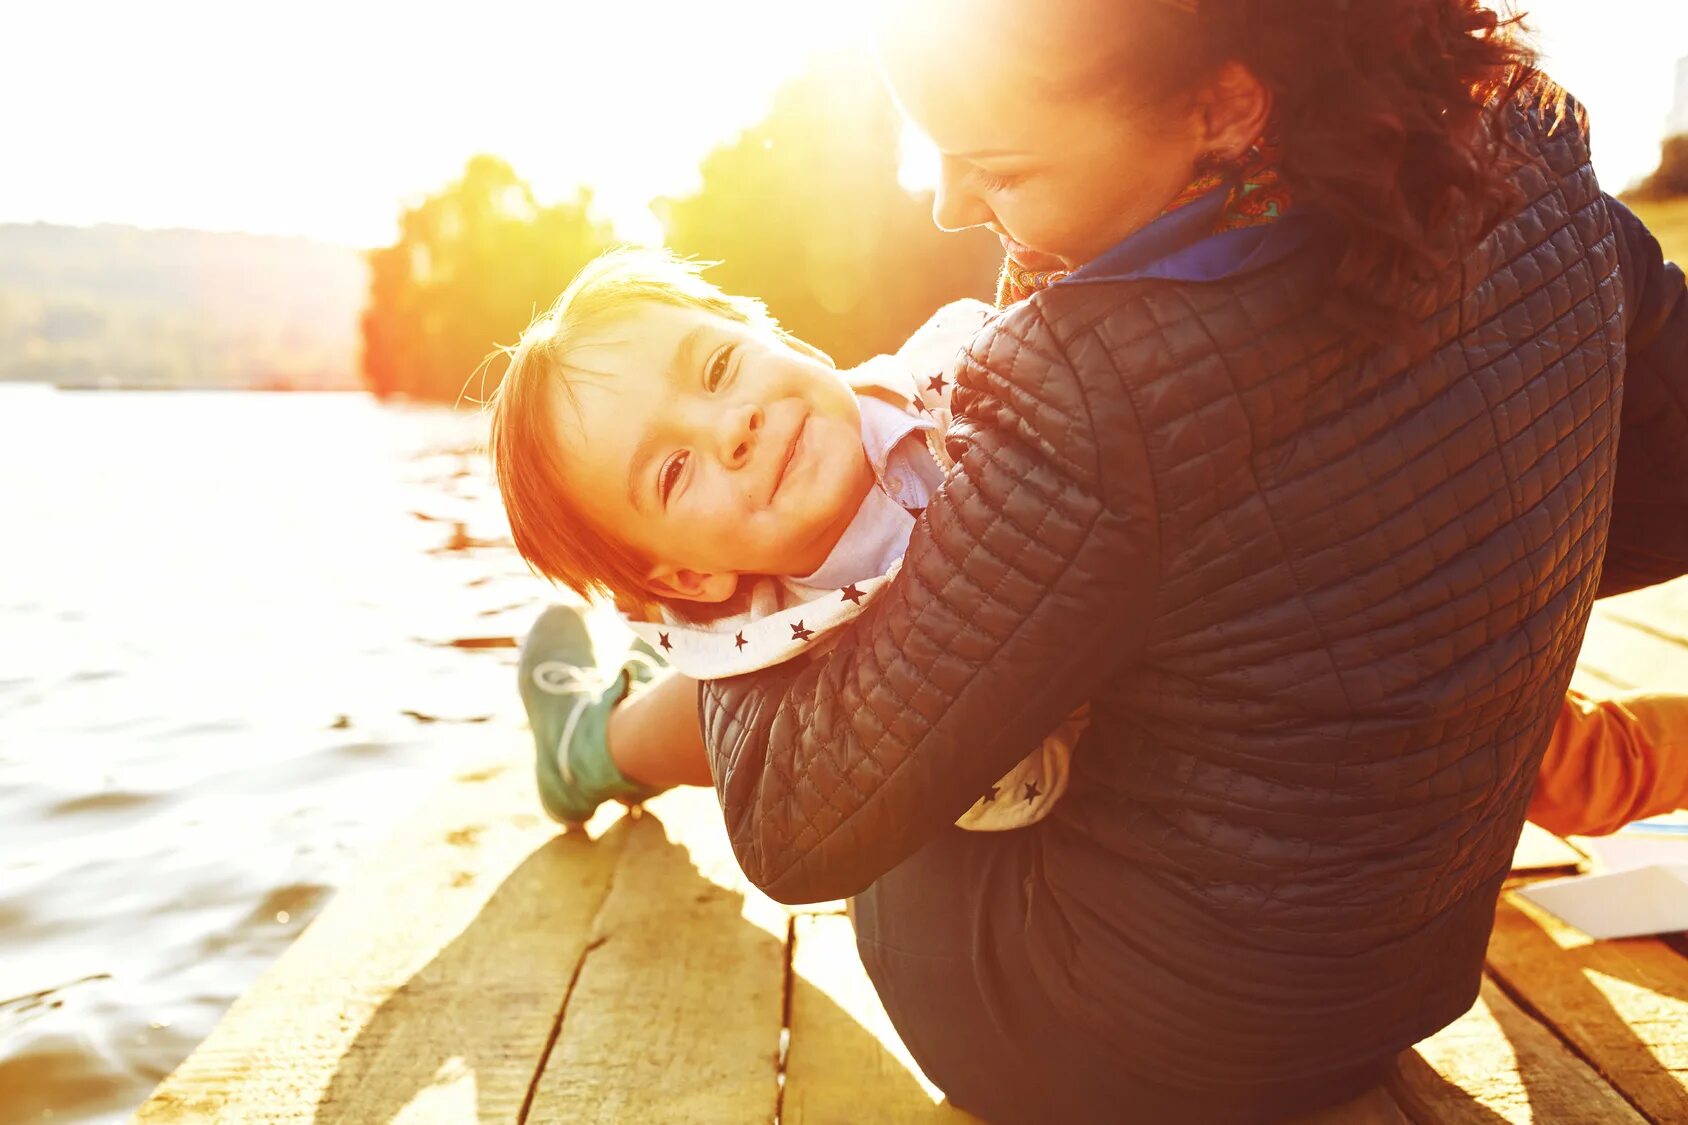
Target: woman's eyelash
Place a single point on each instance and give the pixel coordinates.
(717, 372)
(670, 475)
(996, 181)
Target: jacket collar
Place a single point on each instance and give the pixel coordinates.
(1179, 246)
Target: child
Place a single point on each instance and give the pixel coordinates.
(661, 442)
(738, 497)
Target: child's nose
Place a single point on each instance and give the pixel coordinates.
(744, 426)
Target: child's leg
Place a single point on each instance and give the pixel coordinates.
(1611, 762)
(655, 738)
(571, 704)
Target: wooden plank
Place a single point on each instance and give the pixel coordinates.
(845, 1061)
(427, 989)
(1622, 1005)
(1376, 1106)
(1540, 851)
(1638, 641)
(677, 1010)
(1497, 1063)
(1665, 605)
(1657, 618)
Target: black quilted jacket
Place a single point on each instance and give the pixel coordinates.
(1324, 603)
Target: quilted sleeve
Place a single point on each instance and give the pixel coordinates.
(1028, 582)
(1648, 543)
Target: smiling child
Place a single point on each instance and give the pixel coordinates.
(737, 496)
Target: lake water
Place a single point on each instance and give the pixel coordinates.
(227, 671)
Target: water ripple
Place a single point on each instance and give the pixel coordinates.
(198, 744)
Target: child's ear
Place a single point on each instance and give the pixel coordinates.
(691, 585)
(803, 347)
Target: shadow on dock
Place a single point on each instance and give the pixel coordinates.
(653, 1023)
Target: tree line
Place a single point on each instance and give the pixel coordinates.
(1670, 179)
(802, 210)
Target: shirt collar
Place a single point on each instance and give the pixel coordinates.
(884, 426)
(876, 538)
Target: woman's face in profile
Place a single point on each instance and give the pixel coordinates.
(1058, 177)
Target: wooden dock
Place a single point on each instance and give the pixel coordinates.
(484, 969)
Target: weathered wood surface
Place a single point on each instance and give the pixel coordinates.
(428, 987)
(677, 1009)
(1637, 642)
(1374, 1107)
(1498, 1063)
(1541, 852)
(484, 969)
(842, 1042)
(1622, 1005)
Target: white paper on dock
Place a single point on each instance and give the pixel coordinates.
(1639, 887)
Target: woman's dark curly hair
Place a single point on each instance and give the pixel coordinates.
(1385, 112)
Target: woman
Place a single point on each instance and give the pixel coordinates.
(1304, 478)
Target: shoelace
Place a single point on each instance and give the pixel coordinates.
(554, 677)
(557, 678)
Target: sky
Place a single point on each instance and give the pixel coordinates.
(323, 118)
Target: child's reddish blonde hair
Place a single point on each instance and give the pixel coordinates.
(550, 529)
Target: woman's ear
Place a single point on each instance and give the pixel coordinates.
(805, 348)
(1235, 109)
(691, 585)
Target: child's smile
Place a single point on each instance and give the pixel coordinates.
(713, 448)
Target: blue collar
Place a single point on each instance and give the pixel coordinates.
(1178, 247)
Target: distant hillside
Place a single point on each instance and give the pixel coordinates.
(120, 306)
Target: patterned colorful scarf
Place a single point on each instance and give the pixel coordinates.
(1257, 197)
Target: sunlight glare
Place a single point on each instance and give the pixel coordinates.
(918, 169)
(451, 1095)
(324, 119)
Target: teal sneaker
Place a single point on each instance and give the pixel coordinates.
(568, 701)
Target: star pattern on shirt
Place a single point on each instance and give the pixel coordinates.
(936, 384)
(852, 595)
(739, 642)
(1031, 790)
(990, 795)
(799, 633)
(667, 645)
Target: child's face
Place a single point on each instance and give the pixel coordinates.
(712, 447)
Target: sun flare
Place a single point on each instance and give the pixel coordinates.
(324, 119)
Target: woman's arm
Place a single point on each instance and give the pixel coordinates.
(1648, 543)
(1027, 583)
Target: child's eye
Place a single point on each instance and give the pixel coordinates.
(718, 364)
(670, 476)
